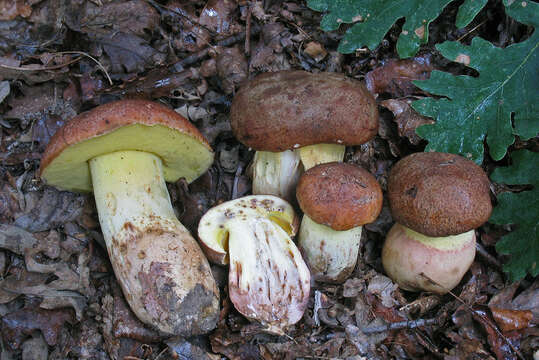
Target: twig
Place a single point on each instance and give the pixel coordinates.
(409, 324)
(489, 259)
(486, 321)
(236, 181)
(247, 49)
(196, 57)
(471, 31)
(26, 68)
(91, 57)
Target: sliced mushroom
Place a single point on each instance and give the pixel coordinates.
(268, 280)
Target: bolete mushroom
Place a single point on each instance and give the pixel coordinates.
(268, 280)
(437, 200)
(337, 199)
(125, 151)
(296, 119)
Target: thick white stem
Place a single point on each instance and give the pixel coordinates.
(313, 155)
(330, 254)
(164, 275)
(276, 173)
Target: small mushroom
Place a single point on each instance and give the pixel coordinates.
(268, 280)
(337, 199)
(437, 200)
(125, 151)
(296, 120)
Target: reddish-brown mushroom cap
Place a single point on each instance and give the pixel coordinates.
(106, 120)
(439, 194)
(290, 109)
(339, 195)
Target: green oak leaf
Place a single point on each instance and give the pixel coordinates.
(374, 18)
(468, 11)
(521, 209)
(475, 108)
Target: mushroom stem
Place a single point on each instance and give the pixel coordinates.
(407, 255)
(276, 173)
(162, 270)
(313, 155)
(330, 254)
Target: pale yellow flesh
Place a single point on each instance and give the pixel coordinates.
(129, 187)
(330, 254)
(313, 155)
(214, 226)
(268, 279)
(451, 242)
(276, 173)
(182, 156)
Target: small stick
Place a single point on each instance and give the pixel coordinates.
(489, 259)
(248, 31)
(409, 324)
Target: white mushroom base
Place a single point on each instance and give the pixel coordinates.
(412, 259)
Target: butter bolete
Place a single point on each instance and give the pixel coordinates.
(437, 200)
(268, 280)
(337, 199)
(124, 152)
(295, 120)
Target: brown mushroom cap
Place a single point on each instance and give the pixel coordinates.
(289, 109)
(339, 195)
(439, 194)
(124, 125)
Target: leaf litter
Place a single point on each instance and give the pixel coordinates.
(58, 296)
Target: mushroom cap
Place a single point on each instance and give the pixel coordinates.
(289, 109)
(124, 125)
(439, 194)
(339, 195)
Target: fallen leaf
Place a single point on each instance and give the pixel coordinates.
(231, 67)
(10, 9)
(395, 77)
(18, 325)
(217, 15)
(407, 119)
(129, 53)
(509, 320)
(50, 209)
(316, 51)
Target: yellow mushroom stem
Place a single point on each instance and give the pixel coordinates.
(156, 260)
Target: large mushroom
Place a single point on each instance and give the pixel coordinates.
(337, 200)
(125, 151)
(437, 200)
(268, 280)
(295, 120)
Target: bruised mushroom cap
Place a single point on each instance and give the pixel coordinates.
(339, 195)
(125, 125)
(439, 194)
(290, 109)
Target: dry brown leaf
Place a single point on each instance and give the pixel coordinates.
(217, 15)
(509, 320)
(407, 119)
(395, 77)
(18, 325)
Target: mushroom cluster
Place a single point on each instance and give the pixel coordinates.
(437, 200)
(296, 120)
(125, 151)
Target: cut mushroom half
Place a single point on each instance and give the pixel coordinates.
(268, 280)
